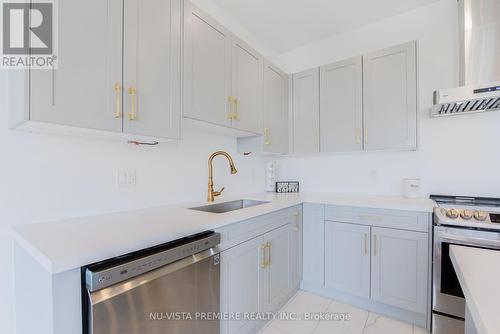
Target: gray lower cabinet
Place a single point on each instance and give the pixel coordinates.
(242, 280)
(347, 258)
(400, 268)
(372, 258)
(259, 275)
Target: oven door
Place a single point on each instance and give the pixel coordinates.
(448, 297)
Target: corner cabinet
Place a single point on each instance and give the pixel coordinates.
(102, 85)
(306, 112)
(262, 273)
(390, 98)
(275, 117)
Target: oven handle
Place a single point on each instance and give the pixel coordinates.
(443, 236)
(102, 295)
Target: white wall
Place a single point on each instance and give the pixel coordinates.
(46, 177)
(457, 155)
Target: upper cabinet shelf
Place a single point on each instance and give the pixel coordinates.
(108, 82)
(365, 103)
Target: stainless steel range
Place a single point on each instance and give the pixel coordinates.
(466, 221)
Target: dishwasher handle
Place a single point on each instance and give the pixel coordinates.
(113, 291)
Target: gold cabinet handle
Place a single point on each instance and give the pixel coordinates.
(118, 110)
(296, 227)
(267, 135)
(132, 116)
(230, 114)
(236, 112)
(268, 254)
(358, 135)
(366, 136)
(263, 248)
(374, 245)
(366, 243)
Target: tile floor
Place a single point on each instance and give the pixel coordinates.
(362, 322)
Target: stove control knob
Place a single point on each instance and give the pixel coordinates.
(466, 214)
(452, 213)
(480, 216)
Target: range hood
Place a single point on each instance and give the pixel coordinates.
(479, 22)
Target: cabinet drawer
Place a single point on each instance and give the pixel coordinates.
(399, 219)
(238, 233)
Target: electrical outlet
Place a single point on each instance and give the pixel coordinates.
(126, 178)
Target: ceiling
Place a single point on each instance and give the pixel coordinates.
(284, 25)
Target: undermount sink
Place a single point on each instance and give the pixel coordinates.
(229, 206)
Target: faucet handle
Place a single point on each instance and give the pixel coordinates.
(218, 193)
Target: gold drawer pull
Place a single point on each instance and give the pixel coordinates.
(230, 114)
(263, 248)
(118, 110)
(132, 116)
(267, 135)
(236, 112)
(268, 254)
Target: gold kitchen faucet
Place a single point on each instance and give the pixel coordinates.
(211, 193)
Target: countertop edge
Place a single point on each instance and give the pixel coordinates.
(470, 300)
(364, 201)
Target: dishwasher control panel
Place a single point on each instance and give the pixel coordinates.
(107, 273)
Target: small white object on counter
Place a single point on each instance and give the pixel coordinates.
(411, 188)
(68, 244)
(478, 271)
(271, 176)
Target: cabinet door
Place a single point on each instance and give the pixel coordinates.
(341, 110)
(241, 284)
(399, 268)
(277, 272)
(306, 112)
(390, 98)
(152, 78)
(207, 67)
(275, 110)
(295, 252)
(313, 244)
(247, 87)
(347, 258)
(81, 91)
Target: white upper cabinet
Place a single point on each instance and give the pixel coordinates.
(151, 70)
(275, 116)
(223, 76)
(81, 91)
(247, 87)
(341, 110)
(390, 98)
(117, 78)
(207, 68)
(306, 112)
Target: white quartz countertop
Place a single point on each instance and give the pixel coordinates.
(478, 271)
(71, 243)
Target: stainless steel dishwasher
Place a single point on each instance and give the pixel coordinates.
(172, 288)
